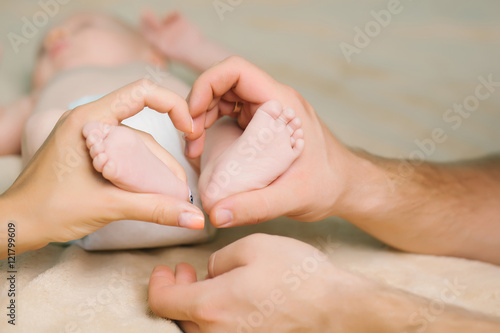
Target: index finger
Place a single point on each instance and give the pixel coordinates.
(132, 98)
(235, 74)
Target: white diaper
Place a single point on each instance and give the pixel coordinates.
(137, 234)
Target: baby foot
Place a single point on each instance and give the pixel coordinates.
(125, 158)
(175, 36)
(271, 142)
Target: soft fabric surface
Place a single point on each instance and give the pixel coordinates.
(395, 91)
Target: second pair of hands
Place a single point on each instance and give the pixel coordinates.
(258, 281)
(244, 267)
(179, 40)
(237, 271)
(269, 283)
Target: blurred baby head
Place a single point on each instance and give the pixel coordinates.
(91, 39)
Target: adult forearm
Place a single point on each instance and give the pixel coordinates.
(386, 309)
(445, 209)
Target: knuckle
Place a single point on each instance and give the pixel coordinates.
(160, 214)
(257, 237)
(74, 118)
(143, 87)
(235, 58)
(143, 82)
(295, 94)
(205, 312)
(247, 248)
(264, 211)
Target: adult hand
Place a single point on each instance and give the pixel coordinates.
(315, 185)
(259, 283)
(265, 283)
(60, 197)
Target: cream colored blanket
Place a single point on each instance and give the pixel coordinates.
(381, 82)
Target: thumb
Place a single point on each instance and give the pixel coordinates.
(157, 208)
(251, 207)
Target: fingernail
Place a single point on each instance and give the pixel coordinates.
(223, 218)
(191, 221)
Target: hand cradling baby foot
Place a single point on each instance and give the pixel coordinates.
(269, 145)
(265, 150)
(126, 158)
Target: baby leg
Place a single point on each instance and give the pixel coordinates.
(134, 161)
(36, 131)
(238, 161)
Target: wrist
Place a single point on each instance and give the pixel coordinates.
(17, 228)
(357, 304)
(366, 187)
(363, 305)
(369, 306)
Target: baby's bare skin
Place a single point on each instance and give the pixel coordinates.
(132, 162)
(239, 161)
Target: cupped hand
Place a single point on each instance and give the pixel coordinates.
(260, 283)
(62, 194)
(314, 185)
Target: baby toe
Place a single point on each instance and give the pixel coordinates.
(299, 146)
(100, 161)
(88, 128)
(298, 134)
(287, 115)
(109, 171)
(294, 125)
(96, 149)
(272, 108)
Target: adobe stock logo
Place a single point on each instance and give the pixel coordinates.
(453, 117)
(372, 29)
(31, 28)
(221, 7)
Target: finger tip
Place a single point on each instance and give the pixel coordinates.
(191, 219)
(184, 266)
(222, 217)
(191, 156)
(191, 151)
(161, 270)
